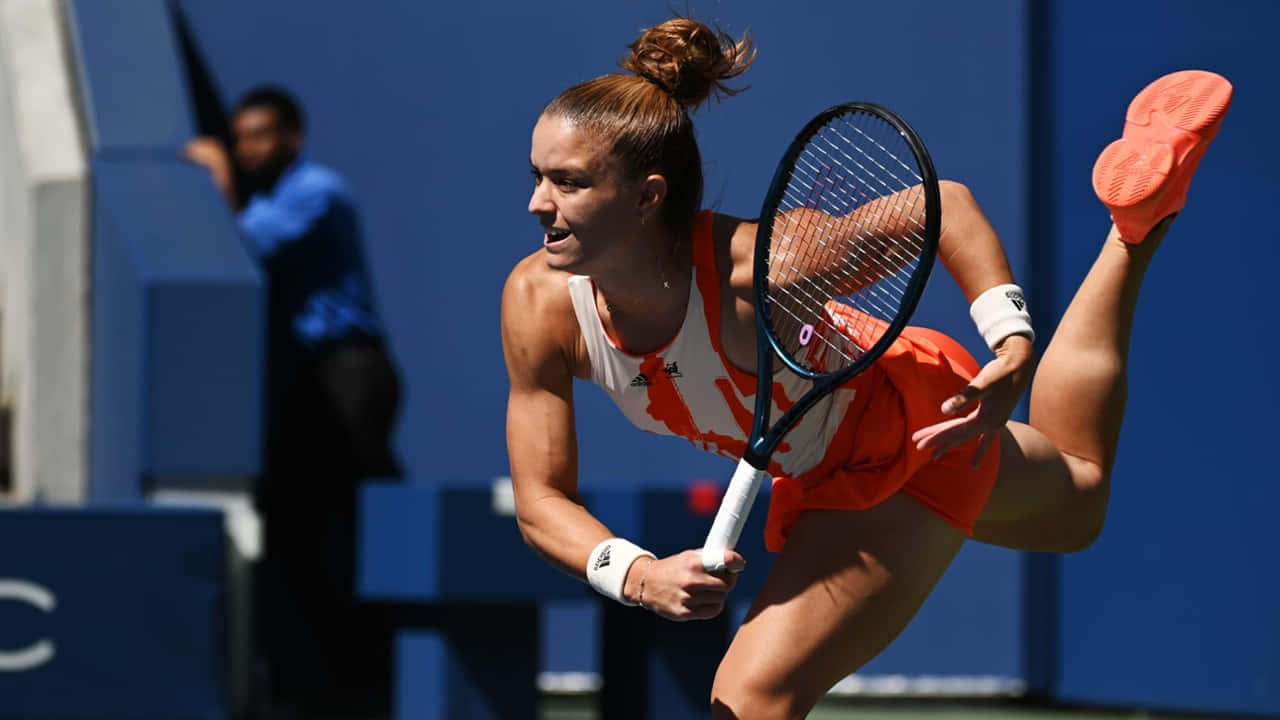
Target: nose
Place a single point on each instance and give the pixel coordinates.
(540, 201)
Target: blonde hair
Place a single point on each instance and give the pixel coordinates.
(644, 117)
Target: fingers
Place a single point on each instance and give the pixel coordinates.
(688, 591)
(977, 389)
(964, 399)
(949, 434)
(692, 605)
(696, 577)
(202, 146)
(983, 447)
(924, 437)
(696, 612)
(734, 562)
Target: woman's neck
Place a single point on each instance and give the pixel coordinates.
(650, 281)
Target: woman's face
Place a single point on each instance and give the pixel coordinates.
(580, 197)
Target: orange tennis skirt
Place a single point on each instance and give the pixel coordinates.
(901, 393)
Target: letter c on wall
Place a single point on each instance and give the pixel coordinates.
(41, 651)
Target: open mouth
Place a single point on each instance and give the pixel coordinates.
(555, 234)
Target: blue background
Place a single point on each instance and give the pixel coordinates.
(427, 110)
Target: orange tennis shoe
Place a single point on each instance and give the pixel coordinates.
(1142, 178)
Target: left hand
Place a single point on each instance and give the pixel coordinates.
(208, 152)
(986, 403)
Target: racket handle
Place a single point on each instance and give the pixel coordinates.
(732, 515)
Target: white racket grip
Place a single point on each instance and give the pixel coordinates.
(732, 515)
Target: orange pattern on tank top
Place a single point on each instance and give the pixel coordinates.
(668, 407)
(744, 418)
(708, 279)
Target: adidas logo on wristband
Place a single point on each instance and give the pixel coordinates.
(1016, 298)
(995, 320)
(603, 560)
(607, 574)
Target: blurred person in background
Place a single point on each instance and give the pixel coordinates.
(332, 394)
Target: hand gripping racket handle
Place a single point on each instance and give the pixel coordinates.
(732, 515)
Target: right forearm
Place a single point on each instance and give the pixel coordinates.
(561, 530)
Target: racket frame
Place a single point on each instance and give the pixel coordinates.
(764, 440)
(752, 469)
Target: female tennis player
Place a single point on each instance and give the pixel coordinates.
(637, 289)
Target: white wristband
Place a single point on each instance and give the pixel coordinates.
(1001, 312)
(608, 564)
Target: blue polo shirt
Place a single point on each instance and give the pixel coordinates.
(305, 233)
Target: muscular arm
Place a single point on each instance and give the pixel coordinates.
(541, 440)
(972, 253)
(842, 254)
(969, 246)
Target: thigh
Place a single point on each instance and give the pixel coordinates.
(845, 584)
(1043, 499)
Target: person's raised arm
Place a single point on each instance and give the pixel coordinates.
(972, 253)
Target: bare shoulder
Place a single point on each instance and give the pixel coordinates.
(539, 328)
(533, 287)
(735, 241)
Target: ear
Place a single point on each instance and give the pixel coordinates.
(653, 191)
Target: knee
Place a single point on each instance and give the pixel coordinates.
(743, 695)
(1092, 494)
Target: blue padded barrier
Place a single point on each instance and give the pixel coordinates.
(454, 564)
(177, 331)
(474, 663)
(446, 544)
(113, 613)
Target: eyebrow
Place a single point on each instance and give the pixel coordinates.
(574, 171)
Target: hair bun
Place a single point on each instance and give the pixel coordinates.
(689, 60)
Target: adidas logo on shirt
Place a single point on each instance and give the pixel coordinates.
(640, 380)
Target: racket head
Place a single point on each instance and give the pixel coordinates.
(846, 240)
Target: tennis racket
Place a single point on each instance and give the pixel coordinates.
(846, 239)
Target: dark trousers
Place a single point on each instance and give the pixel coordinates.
(326, 654)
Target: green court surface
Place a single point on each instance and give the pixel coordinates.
(580, 708)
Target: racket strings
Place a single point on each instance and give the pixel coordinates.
(847, 238)
(867, 259)
(845, 273)
(844, 276)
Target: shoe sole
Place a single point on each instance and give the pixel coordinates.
(1170, 122)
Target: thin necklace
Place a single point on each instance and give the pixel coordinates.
(666, 284)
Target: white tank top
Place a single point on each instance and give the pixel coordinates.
(689, 388)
